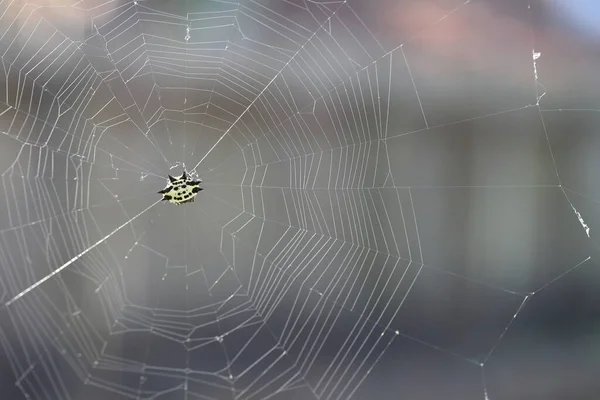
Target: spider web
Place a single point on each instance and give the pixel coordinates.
(352, 224)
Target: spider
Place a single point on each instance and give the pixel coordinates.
(181, 190)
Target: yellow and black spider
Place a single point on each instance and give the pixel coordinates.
(181, 190)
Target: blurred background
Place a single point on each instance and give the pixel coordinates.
(400, 199)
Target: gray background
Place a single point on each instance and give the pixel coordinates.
(396, 197)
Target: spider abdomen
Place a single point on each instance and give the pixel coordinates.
(181, 190)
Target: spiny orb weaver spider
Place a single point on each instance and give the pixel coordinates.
(181, 190)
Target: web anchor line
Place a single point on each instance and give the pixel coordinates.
(77, 257)
(266, 87)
